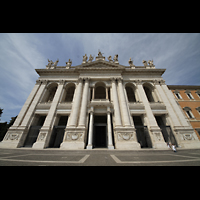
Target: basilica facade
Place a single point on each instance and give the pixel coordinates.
(100, 104)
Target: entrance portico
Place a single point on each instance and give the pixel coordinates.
(100, 133)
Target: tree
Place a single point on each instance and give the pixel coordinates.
(5, 126)
(1, 111)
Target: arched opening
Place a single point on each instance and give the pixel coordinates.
(100, 91)
(69, 94)
(50, 93)
(148, 91)
(130, 94)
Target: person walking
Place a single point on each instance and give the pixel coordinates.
(173, 147)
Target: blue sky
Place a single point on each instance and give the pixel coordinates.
(21, 53)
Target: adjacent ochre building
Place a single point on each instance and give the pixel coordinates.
(100, 104)
(188, 97)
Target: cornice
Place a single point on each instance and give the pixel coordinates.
(183, 87)
(100, 65)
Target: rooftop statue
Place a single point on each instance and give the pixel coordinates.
(115, 59)
(55, 63)
(90, 58)
(110, 59)
(51, 64)
(150, 62)
(85, 58)
(130, 62)
(69, 63)
(100, 56)
(145, 63)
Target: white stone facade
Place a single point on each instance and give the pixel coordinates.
(136, 108)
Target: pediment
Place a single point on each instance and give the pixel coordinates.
(100, 64)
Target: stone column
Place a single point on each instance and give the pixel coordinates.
(90, 134)
(84, 104)
(45, 132)
(106, 93)
(174, 105)
(123, 105)
(117, 113)
(155, 132)
(19, 129)
(26, 104)
(34, 103)
(93, 90)
(165, 100)
(110, 140)
(76, 104)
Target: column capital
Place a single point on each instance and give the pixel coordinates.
(61, 82)
(156, 82)
(79, 80)
(162, 82)
(86, 79)
(91, 110)
(38, 82)
(44, 82)
(138, 82)
(119, 79)
(113, 79)
(109, 110)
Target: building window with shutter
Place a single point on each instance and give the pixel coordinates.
(188, 112)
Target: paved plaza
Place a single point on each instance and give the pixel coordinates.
(98, 157)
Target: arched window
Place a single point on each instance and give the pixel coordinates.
(69, 94)
(130, 94)
(148, 92)
(50, 93)
(100, 92)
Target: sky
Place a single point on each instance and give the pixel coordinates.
(22, 53)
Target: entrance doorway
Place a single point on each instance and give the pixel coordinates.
(142, 133)
(58, 133)
(34, 131)
(100, 132)
(166, 131)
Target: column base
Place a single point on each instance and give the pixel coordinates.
(72, 145)
(160, 145)
(73, 138)
(14, 138)
(127, 145)
(38, 145)
(111, 147)
(89, 147)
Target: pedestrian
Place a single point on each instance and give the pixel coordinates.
(173, 147)
(169, 145)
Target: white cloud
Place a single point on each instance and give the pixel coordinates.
(20, 54)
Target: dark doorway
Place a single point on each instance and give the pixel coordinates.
(100, 132)
(99, 136)
(142, 133)
(33, 132)
(58, 132)
(166, 131)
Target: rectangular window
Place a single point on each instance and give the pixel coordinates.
(190, 96)
(178, 95)
(189, 114)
